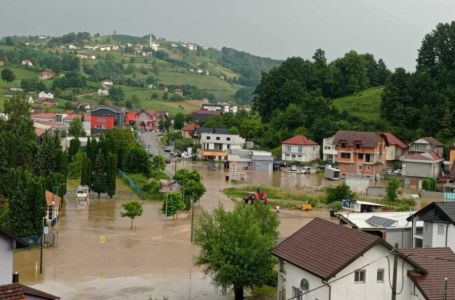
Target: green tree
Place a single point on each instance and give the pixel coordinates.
(74, 148)
(8, 75)
(338, 193)
(98, 178)
(392, 190)
(132, 209)
(76, 128)
(182, 176)
(179, 121)
(158, 163)
(137, 160)
(172, 203)
(111, 174)
(235, 246)
(86, 170)
(56, 183)
(192, 191)
(116, 93)
(47, 155)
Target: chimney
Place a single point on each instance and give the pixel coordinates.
(15, 277)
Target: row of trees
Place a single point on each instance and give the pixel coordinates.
(27, 169)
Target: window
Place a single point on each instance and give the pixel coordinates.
(208, 137)
(358, 146)
(345, 155)
(217, 138)
(228, 139)
(360, 156)
(300, 149)
(101, 119)
(289, 148)
(380, 275)
(369, 157)
(441, 229)
(359, 276)
(343, 145)
(297, 293)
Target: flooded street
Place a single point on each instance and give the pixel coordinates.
(98, 257)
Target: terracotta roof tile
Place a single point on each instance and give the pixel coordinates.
(190, 127)
(207, 112)
(394, 140)
(17, 291)
(427, 156)
(324, 248)
(438, 263)
(433, 141)
(299, 140)
(367, 138)
(52, 197)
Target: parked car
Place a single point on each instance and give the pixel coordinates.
(305, 170)
(397, 172)
(293, 168)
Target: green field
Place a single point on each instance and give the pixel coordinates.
(364, 105)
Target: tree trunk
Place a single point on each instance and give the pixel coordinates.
(132, 224)
(238, 291)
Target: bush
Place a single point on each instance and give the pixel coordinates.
(338, 193)
(335, 205)
(173, 203)
(429, 184)
(392, 190)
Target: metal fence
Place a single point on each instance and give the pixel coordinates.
(132, 184)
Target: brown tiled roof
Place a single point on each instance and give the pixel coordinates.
(433, 141)
(299, 140)
(52, 197)
(427, 156)
(324, 248)
(190, 127)
(392, 139)
(367, 138)
(207, 112)
(439, 263)
(17, 291)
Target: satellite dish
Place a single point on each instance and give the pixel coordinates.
(304, 284)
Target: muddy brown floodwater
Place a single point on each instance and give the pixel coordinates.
(98, 257)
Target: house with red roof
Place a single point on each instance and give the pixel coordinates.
(299, 148)
(418, 166)
(189, 130)
(46, 75)
(144, 119)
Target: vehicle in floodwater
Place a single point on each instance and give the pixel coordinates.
(83, 196)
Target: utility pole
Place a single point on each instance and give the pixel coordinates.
(395, 267)
(192, 218)
(41, 250)
(445, 289)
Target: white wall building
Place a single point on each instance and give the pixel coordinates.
(329, 152)
(324, 260)
(44, 95)
(219, 139)
(300, 148)
(7, 245)
(439, 226)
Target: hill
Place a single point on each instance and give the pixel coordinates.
(364, 105)
(148, 74)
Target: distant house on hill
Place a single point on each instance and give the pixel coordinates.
(27, 63)
(46, 75)
(103, 92)
(299, 148)
(189, 129)
(107, 83)
(45, 95)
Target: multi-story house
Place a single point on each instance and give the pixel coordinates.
(360, 152)
(438, 226)
(299, 148)
(105, 117)
(329, 152)
(324, 260)
(427, 144)
(394, 150)
(215, 142)
(143, 119)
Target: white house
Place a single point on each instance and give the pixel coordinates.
(300, 148)
(329, 152)
(392, 226)
(103, 92)
(44, 95)
(427, 144)
(8, 243)
(324, 260)
(219, 139)
(438, 226)
(27, 63)
(107, 83)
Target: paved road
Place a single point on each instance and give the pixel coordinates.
(150, 141)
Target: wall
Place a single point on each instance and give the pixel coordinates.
(451, 237)
(300, 153)
(417, 169)
(6, 260)
(427, 234)
(358, 185)
(402, 237)
(376, 191)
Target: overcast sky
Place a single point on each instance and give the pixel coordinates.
(390, 29)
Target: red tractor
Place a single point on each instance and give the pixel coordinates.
(252, 197)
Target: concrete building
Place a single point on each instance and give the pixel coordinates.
(219, 139)
(251, 160)
(418, 166)
(324, 260)
(299, 148)
(393, 227)
(8, 243)
(438, 226)
(329, 152)
(427, 144)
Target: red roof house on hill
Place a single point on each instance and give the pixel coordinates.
(299, 148)
(189, 129)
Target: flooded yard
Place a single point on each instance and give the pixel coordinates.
(98, 257)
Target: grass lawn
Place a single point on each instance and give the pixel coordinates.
(365, 105)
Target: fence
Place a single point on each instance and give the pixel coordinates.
(132, 184)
